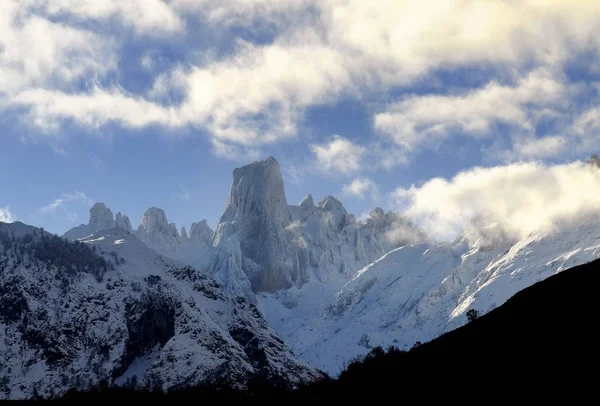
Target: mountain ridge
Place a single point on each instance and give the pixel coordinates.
(107, 307)
(335, 287)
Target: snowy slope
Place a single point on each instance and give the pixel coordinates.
(418, 292)
(69, 319)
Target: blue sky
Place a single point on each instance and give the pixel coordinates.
(154, 103)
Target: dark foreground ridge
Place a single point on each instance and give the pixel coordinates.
(541, 343)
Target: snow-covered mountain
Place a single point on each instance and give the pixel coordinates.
(109, 308)
(418, 292)
(264, 245)
(154, 231)
(334, 286)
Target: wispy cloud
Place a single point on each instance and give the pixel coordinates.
(522, 198)
(6, 216)
(62, 204)
(184, 194)
(338, 154)
(421, 119)
(360, 187)
(313, 53)
(60, 151)
(233, 152)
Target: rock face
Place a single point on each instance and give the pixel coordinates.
(201, 232)
(101, 217)
(128, 312)
(161, 236)
(255, 219)
(154, 231)
(154, 222)
(183, 233)
(122, 222)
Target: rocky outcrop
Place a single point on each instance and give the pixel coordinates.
(201, 232)
(122, 222)
(101, 218)
(256, 218)
(157, 233)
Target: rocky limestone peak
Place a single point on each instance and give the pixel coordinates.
(122, 221)
(172, 230)
(155, 219)
(201, 231)
(338, 216)
(183, 233)
(101, 217)
(257, 191)
(330, 203)
(380, 219)
(307, 202)
(253, 227)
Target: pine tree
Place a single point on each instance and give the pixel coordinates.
(594, 160)
(472, 315)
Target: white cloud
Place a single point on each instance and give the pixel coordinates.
(317, 52)
(233, 152)
(243, 12)
(62, 204)
(541, 147)
(184, 194)
(60, 151)
(402, 38)
(36, 51)
(522, 198)
(339, 154)
(417, 119)
(588, 123)
(93, 109)
(6, 216)
(146, 16)
(361, 186)
(257, 95)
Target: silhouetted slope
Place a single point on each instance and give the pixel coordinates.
(543, 342)
(545, 334)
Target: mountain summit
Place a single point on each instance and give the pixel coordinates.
(253, 229)
(101, 218)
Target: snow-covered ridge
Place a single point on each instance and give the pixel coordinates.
(418, 292)
(334, 286)
(124, 310)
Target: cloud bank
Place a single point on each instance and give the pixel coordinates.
(522, 198)
(63, 203)
(62, 61)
